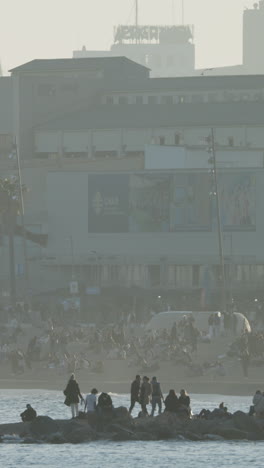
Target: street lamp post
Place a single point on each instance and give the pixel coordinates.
(212, 160)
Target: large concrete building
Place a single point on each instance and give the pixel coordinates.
(117, 166)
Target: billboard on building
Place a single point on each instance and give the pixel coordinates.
(237, 195)
(108, 203)
(170, 202)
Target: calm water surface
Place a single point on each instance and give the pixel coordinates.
(182, 454)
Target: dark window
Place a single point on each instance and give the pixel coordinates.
(123, 100)
(152, 100)
(139, 100)
(109, 100)
(230, 141)
(177, 139)
(154, 275)
(196, 276)
(167, 99)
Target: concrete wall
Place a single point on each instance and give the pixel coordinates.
(68, 215)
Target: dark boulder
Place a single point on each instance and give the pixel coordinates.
(81, 435)
(43, 426)
(244, 422)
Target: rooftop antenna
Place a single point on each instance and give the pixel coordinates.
(136, 19)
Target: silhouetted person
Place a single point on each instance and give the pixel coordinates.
(105, 404)
(156, 395)
(72, 393)
(134, 392)
(29, 414)
(171, 402)
(145, 394)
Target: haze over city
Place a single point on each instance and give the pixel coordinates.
(38, 29)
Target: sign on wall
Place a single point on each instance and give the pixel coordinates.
(170, 202)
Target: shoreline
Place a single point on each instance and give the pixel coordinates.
(235, 388)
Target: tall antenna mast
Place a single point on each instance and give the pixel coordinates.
(136, 13)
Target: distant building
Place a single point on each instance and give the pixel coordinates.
(169, 51)
(166, 50)
(118, 162)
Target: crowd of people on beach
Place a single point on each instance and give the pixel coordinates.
(69, 348)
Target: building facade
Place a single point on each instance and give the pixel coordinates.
(117, 167)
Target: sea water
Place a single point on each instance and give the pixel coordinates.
(182, 454)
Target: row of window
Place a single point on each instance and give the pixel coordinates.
(180, 99)
(184, 276)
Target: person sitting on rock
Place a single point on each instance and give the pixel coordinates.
(171, 402)
(90, 401)
(105, 404)
(256, 399)
(29, 414)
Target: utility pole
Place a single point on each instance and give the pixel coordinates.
(212, 160)
(11, 247)
(136, 19)
(22, 216)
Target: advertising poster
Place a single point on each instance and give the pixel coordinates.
(108, 203)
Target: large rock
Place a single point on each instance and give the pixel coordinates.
(244, 422)
(81, 435)
(43, 426)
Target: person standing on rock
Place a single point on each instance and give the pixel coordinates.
(72, 393)
(134, 392)
(156, 395)
(145, 394)
(90, 401)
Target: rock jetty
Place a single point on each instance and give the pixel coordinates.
(120, 426)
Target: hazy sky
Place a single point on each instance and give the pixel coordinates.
(54, 28)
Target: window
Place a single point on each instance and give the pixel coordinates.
(152, 99)
(196, 98)
(181, 99)
(196, 276)
(162, 140)
(177, 139)
(46, 90)
(139, 100)
(230, 141)
(154, 275)
(109, 100)
(123, 100)
(167, 99)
